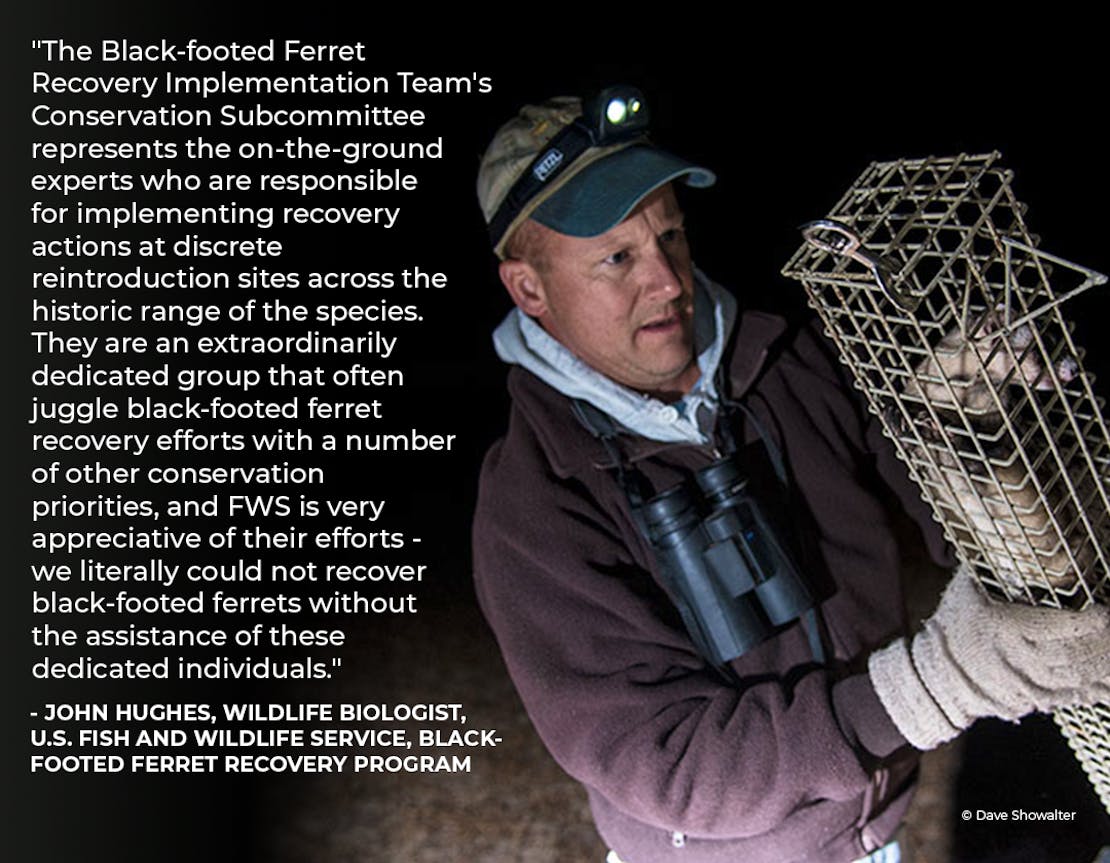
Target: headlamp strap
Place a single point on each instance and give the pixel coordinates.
(559, 154)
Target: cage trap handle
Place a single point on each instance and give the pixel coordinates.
(835, 237)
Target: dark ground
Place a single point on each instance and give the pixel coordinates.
(518, 807)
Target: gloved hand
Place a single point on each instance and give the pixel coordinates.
(976, 657)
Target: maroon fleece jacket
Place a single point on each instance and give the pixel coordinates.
(799, 762)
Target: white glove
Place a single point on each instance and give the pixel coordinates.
(976, 657)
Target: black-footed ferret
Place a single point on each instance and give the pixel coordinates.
(990, 497)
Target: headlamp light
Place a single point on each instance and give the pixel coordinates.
(616, 112)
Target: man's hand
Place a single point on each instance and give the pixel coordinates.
(976, 657)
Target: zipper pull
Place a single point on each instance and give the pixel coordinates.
(678, 840)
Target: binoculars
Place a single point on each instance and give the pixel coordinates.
(724, 556)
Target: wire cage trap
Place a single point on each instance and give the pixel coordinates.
(949, 317)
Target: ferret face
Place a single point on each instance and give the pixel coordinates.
(976, 374)
(989, 498)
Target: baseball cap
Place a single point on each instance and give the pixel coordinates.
(521, 175)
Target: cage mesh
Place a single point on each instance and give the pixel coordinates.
(949, 317)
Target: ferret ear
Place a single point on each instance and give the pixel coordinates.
(989, 323)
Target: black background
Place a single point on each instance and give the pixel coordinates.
(786, 122)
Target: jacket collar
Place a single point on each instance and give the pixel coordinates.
(572, 449)
(519, 340)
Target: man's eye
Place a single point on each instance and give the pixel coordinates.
(617, 257)
(671, 235)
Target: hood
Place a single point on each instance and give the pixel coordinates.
(519, 340)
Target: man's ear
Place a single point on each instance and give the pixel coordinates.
(525, 286)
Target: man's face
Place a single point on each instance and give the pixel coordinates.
(623, 301)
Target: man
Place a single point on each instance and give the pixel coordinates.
(631, 371)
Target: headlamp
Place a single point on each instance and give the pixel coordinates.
(615, 112)
(615, 115)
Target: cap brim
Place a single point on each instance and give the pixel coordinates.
(603, 194)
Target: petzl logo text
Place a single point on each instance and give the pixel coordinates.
(547, 164)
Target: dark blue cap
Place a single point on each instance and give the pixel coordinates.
(604, 193)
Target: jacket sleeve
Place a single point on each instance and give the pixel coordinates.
(618, 695)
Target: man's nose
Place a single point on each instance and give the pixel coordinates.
(662, 277)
